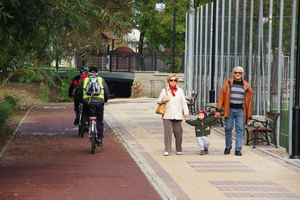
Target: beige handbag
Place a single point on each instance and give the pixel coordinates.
(162, 107)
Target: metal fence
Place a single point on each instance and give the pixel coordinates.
(128, 61)
(248, 34)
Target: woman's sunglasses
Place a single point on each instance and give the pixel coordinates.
(171, 80)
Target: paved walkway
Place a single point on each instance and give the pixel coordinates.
(47, 160)
(255, 175)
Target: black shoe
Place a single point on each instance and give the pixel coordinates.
(227, 150)
(76, 122)
(85, 128)
(238, 153)
(99, 143)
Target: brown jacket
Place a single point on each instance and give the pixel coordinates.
(224, 99)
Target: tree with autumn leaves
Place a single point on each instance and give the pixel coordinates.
(44, 30)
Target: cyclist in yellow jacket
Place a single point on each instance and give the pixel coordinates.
(96, 100)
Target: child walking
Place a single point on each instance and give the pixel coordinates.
(202, 129)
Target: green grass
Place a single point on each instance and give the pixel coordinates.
(284, 123)
(6, 107)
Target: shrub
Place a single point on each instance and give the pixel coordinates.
(136, 89)
(6, 107)
(49, 78)
(64, 83)
(11, 100)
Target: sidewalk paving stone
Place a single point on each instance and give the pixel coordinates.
(256, 174)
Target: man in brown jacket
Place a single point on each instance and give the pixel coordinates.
(236, 100)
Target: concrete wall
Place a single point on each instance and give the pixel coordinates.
(154, 82)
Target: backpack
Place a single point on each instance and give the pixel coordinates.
(93, 86)
(83, 76)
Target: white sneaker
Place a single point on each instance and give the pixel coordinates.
(179, 153)
(166, 153)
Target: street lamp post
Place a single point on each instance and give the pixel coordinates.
(212, 90)
(174, 37)
(296, 108)
(160, 6)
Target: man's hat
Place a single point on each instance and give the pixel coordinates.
(202, 111)
(93, 69)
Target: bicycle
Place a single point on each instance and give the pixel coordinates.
(80, 123)
(92, 124)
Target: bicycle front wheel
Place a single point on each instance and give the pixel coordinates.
(79, 130)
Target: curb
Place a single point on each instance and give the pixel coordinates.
(153, 178)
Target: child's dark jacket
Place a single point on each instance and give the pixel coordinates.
(201, 129)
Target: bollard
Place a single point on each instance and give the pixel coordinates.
(296, 133)
(211, 96)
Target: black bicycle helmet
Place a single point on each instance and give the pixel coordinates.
(84, 69)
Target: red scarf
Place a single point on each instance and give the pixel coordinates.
(173, 89)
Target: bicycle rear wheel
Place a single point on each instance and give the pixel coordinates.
(81, 129)
(80, 124)
(93, 141)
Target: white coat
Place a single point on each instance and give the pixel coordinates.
(176, 108)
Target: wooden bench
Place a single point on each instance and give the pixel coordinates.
(210, 109)
(263, 129)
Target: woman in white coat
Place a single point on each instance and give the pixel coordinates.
(176, 111)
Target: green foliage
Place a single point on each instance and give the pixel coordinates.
(44, 92)
(157, 27)
(6, 109)
(12, 101)
(44, 30)
(49, 79)
(64, 83)
(198, 3)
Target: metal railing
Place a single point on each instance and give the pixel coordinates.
(253, 40)
(129, 61)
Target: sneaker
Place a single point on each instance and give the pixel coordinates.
(202, 152)
(166, 153)
(227, 150)
(179, 153)
(206, 151)
(238, 153)
(85, 129)
(76, 122)
(99, 143)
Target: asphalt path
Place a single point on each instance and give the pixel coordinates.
(46, 159)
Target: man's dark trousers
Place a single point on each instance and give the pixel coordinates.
(99, 115)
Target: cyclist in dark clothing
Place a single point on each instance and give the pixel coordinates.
(74, 85)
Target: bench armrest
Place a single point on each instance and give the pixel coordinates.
(255, 123)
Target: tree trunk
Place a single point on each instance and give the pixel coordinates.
(141, 51)
(274, 72)
(56, 63)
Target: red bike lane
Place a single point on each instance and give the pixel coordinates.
(46, 159)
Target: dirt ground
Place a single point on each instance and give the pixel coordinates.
(27, 95)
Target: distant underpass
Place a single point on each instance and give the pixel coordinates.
(119, 84)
